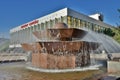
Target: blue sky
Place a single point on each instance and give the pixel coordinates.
(16, 12)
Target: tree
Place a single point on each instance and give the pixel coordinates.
(109, 32)
(117, 34)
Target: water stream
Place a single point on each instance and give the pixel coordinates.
(108, 44)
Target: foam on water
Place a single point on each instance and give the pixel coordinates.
(91, 67)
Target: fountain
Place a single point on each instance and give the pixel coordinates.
(108, 44)
(60, 48)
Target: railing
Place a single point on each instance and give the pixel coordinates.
(12, 57)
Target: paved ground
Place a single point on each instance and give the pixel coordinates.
(17, 71)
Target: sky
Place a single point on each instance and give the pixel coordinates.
(16, 12)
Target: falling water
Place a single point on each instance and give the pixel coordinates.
(59, 54)
(108, 44)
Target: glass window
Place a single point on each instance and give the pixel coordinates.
(42, 26)
(35, 28)
(74, 22)
(46, 25)
(69, 21)
(86, 24)
(77, 22)
(51, 23)
(99, 29)
(65, 19)
(92, 27)
(38, 27)
(32, 28)
(95, 27)
(61, 19)
(56, 20)
(82, 23)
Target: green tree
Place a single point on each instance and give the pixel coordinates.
(109, 32)
(117, 34)
(117, 30)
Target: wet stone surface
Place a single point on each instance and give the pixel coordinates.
(17, 71)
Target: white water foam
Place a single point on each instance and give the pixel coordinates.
(92, 67)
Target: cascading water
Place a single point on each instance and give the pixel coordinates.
(108, 44)
(61, 48)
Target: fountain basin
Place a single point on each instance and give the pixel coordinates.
(61, 54)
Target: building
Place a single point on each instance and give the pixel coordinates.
(24, 32)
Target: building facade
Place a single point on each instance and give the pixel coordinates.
(24, 33)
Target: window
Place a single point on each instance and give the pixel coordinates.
(69, 20)
(38, 27)
(46, 25)
(82, 23)
(78, 22)
(31, 28)
(56, 20)
(74, 22)
(65, 19)
(42, 26)
(61, 19)
(92, 27)
(35, 27)
(51, 23)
